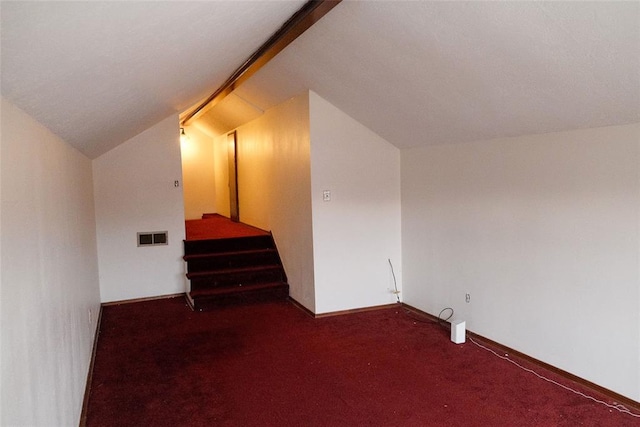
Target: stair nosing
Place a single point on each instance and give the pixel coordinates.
(230, 253)
(203, 293)
(266, 267)
(227, 239)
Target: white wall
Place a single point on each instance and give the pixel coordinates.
(544, 232)
(49, 293)
(356, 232)
(198, 174)
(335, 254)
(274, 185)
(134, 192)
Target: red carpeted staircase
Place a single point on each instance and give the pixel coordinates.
(234, 270)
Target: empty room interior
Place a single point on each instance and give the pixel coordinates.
(477, 156)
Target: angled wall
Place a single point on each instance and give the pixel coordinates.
(543, 231)
(357, 232)
(134, 192)
(335, 254)
(274, 186)
(49, 293)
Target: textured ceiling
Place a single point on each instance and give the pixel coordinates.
(98, 73)
(441, 72)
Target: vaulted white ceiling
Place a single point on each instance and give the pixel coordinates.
(97, 73)
(444, 72)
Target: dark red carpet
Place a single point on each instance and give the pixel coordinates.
(160, 364)
(215, 226)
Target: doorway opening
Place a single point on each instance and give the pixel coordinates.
(234, 204)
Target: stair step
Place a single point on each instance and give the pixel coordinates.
(228, 254)
(211, 298)
(192, 247)
(236, 276)
(203, 293)
(235, 259)
(233, 271)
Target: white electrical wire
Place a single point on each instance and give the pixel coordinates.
(617, 407)
(395, 284)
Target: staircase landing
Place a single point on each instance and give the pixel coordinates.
(216, 226)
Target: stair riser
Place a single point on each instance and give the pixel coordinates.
(279, 294)
(227, 245)
(231, 261)
(231, 280)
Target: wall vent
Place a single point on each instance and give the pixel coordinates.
(153, 238)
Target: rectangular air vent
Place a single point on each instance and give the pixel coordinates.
(153, 238)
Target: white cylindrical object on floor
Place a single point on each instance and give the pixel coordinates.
(458, 331)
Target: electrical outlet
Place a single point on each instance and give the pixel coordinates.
(326, 196)
(467, 298)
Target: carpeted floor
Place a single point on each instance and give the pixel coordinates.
(160, 364)
(216, 226)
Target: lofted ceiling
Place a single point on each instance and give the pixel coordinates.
(98, 73)
(443, 72)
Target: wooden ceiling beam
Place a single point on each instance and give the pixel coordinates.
(299, 22)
